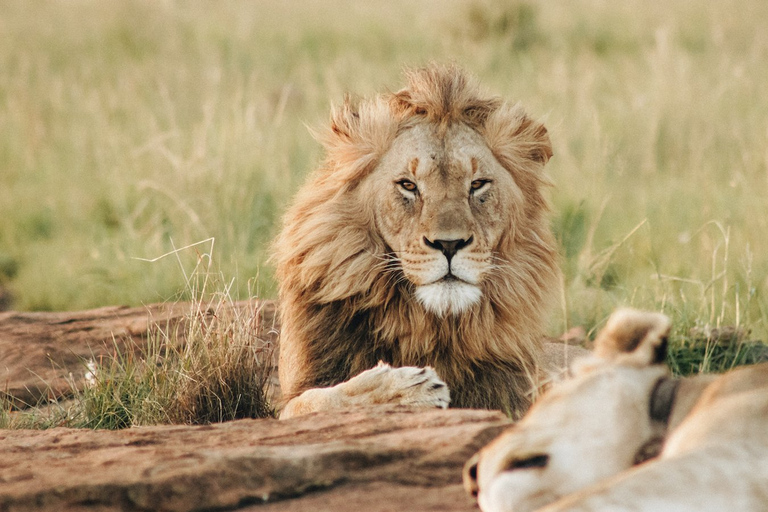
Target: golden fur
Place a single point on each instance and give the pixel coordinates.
(622, 434)
(347, 293)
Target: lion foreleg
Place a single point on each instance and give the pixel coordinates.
(411, 386)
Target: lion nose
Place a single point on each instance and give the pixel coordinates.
(448, 247)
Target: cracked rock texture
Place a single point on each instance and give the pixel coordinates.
(374, 459)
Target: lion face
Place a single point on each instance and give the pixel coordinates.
(443, 203)
(583, 430)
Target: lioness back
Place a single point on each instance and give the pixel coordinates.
(621, 433)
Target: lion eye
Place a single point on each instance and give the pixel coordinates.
(478, 185)
(407, 185)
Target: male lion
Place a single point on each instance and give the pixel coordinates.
(585, 444)
(421, 242)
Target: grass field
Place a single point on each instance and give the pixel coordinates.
(130, 129)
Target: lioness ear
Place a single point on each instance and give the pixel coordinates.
(635, 337)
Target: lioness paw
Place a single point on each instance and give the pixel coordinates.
(408, 385)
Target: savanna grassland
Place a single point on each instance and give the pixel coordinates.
(131, 129)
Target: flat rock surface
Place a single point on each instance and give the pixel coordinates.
(374, 459)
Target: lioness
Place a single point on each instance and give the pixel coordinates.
(421, 242)
(582, 446)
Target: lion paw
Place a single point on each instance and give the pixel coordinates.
(408, 385)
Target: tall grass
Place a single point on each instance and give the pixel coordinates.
(215, 364)
(218, 369)
(129, 129)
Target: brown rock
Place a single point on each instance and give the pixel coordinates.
(376, 459)
(43, 354)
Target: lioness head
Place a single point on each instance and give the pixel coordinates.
(584, 429)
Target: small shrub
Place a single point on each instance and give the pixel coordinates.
(213, 366)
(223, 368)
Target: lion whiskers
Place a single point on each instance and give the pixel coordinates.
(390, 265)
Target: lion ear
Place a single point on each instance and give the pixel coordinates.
(357, 136)
(402, 103)
(541, 147)
(634, 337)
(472, 111)
(514, 136)
(345, 118)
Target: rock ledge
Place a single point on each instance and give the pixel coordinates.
(377, 458)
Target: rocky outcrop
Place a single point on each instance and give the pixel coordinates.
(375, 459)
(43, 355)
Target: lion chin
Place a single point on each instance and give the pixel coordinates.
(448, 296)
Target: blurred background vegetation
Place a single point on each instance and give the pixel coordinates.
(129, 129)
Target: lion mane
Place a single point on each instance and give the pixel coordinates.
(342, 310)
